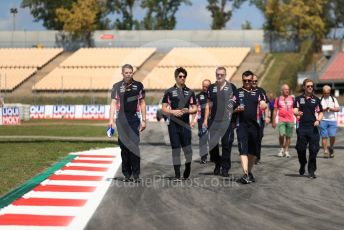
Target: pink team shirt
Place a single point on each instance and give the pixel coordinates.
(285, 108)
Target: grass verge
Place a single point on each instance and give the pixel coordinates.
(22, 161)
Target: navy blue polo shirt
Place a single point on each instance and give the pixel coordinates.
(310, 106)
(220, 100)
(128, 96)
(201, 100)
(250, 99)
(179, 98)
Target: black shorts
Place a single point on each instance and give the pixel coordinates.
(248, 139)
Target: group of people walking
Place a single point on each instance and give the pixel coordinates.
(218, 110)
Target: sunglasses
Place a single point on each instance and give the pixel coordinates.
(182, 76)
(309, 86)
(247, 81)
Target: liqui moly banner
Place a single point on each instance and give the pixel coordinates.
(63, 112)
(94, 112)
(37, 112)
(10, 116)
(80, 112)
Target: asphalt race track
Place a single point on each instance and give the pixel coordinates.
(280, 199)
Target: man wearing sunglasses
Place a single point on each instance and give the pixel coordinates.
(219, 111)
(264, 115)
(248, 105)
(178, 103)
(310, 112)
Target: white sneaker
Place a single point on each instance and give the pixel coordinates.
(281, 152)
(287, 155)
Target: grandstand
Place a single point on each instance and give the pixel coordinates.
(74, 79)
(199, 62)
(10, 78)
(19, 64)
(108, 57)
(27, 58)
(92, 69)
(163, 77)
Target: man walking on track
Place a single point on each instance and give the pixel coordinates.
(308, 107)
(203, 134)
(328, 125)
(219, 110)
(264, 116)
(248, 105)
(283, 110)
(178, 103)
(128, 103)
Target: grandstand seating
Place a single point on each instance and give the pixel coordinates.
(27, 57)
(200, 64)
(163, 77)
(108, 57)
(79, 79)
(335, 71)
(10, 78)
(205, 57)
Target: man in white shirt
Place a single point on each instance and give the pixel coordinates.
(328, 125)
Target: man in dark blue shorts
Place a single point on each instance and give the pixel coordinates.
(128, 103)
(219, 110)
(308, 108)
(178, 103)
(248, 104)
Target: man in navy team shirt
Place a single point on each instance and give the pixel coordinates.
(128, 103)
(248, 104)
(178, 103)
(308, 108)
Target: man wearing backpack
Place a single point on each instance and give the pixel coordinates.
(283, 109)
(328, 125)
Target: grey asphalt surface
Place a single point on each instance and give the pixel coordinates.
(280, 199)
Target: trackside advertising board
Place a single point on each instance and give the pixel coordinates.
(80, 112)
(9, 116)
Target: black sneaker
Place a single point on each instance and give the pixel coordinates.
(257, 161)
(202, 162)
(251, 177)
(187, 171)
(225, 174)
(331, 151)
(312, 176)
(217, 170)
(126, 179)
(302, 170)
(245, 179)
(136, 179)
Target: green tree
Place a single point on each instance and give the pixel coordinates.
(45, 11)
(246, 25)
(124, 10)
(306, 18)
(334, 14)
(221, 13)
(81, 19)
(160, 14)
